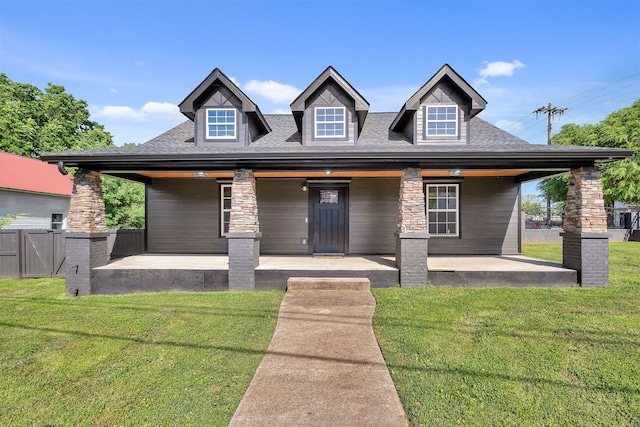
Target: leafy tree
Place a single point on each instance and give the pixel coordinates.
(6, 219)
(620, 180)
(33, 122)
(124, 203)
(531, 205)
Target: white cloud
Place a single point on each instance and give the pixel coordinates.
(281, 111)
(139, 63)
(234, 80)
(113, 90)
(273, 91)
(149, 111)
(498, 68)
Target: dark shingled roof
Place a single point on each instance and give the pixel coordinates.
(377, 148)
(284, 137)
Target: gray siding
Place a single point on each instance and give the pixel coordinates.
(282, 210)
(221, 98)
(488, 219)
(373, 215)
(37, 207)
(182, 217)
(330, 96)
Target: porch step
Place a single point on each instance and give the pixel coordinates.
(328, 283)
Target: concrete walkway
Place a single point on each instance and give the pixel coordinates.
(323, 366)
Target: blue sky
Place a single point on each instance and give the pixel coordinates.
(134, 61)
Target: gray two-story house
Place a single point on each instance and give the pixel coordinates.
(333, 179)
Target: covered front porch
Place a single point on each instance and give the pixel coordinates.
(178, 272)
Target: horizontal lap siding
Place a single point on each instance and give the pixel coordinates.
(373, 215)
(282, 211)
(488, 219)
(182, 216)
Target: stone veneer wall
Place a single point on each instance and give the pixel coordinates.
(86, 210)
(244, 205)
(585, 242)
(244, 232)
(412, 239)
(585, 204)
(411, 203)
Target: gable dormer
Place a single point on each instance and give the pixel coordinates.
(330, 111)
(440, 111)
(222, 114)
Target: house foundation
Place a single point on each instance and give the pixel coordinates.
(585, 241)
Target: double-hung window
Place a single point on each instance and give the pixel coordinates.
(442, 209)
(330, 122)
(57, 221)
(221, 123)
(442, 121)
(225, 208)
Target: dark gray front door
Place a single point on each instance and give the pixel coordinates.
(329, 219)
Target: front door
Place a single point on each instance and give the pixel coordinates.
(329, 219)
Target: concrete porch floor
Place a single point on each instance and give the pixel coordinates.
(166, 272)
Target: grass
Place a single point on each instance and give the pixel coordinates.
(458, 356)
(525, 357)
(147, 359)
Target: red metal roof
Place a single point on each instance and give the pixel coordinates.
(22, 173)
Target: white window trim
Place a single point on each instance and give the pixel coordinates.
(235, 127)
(456, 210)
(222, 209)
(343, 121)
(427, 121)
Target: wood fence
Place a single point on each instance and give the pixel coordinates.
(41, 253)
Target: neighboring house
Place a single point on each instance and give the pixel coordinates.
(34, 191)
(333, 178)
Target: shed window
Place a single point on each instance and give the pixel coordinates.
(330, 122)
(442, 121)
(442, 209)
(57, 221)
(225, 208)
(221, 123)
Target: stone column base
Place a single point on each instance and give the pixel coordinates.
(588, 253)
(84, 251)
(244, 257)
(411, 258)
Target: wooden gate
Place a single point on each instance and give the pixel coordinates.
(32, 253)
(9, 253)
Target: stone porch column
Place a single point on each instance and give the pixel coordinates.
(585, 241)
(86, 236)
(244, 232)
(412, 238)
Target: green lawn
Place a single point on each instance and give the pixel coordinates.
(525, 357)
(148, 359)
(458, 356)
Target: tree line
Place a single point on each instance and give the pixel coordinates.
(34, 121)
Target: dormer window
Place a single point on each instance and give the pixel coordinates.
(221, 123)
(442, 121)
(330, 122)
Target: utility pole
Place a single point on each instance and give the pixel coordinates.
(550, 111)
